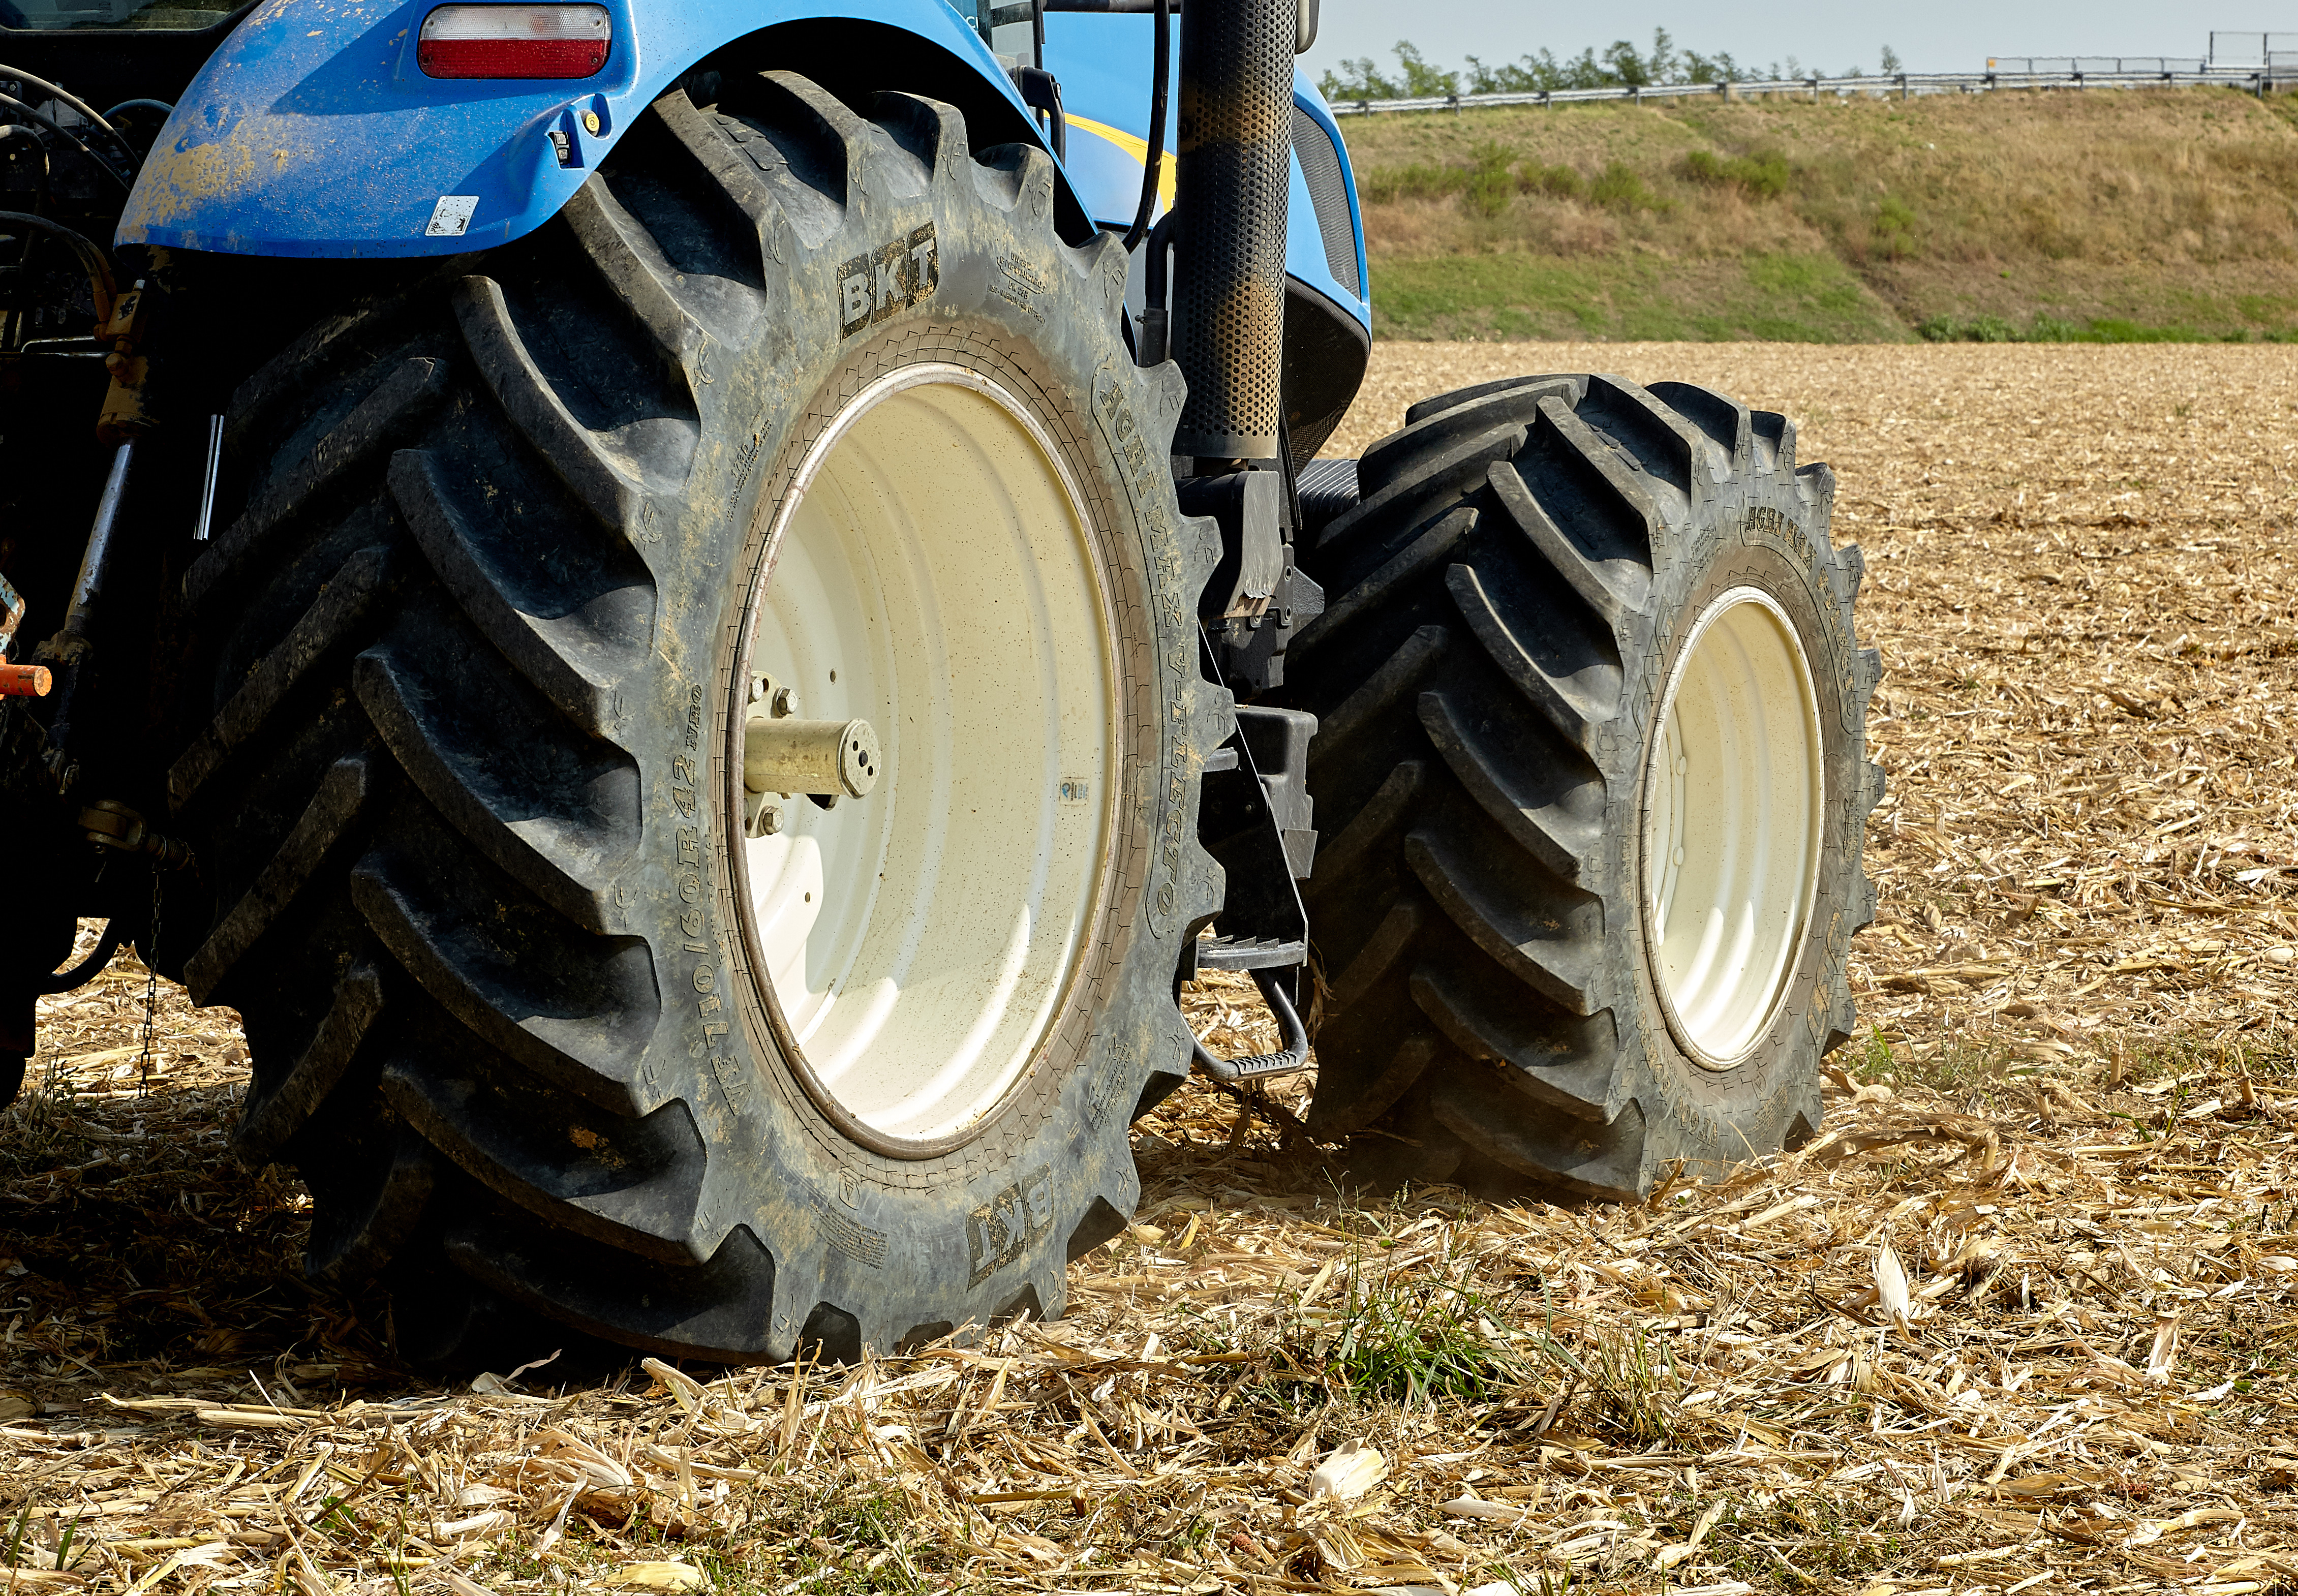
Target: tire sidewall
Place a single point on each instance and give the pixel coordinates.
(1770, 537)
(908, 1247)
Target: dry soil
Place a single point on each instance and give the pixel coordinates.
(2018, 1321)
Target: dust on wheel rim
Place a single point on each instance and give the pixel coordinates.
(1733, 806)
(931, 568)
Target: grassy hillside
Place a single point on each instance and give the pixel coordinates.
(2100, 214)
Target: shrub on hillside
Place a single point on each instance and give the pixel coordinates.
(1617, 187)
(1490, 185)
(1490, 181)
(1556, 182)
(1760, 175)
(1979, 330)
(1895, 228)
(1420, 181)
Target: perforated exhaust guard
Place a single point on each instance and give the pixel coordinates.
(1234, 158)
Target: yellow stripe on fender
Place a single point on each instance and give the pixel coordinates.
(1136, 148)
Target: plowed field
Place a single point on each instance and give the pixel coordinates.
(2019, 1321)
(2078, 572)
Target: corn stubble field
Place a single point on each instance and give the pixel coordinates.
(2018, 1321)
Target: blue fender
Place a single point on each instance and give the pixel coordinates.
(312, 132)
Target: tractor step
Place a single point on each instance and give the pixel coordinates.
(1249, 952)
(1264, 1066)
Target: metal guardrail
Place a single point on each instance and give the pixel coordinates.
(2255, 78)
(2068, 64)
(2249, 49)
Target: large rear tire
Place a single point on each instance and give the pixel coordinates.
(797, 409)
(1592, 759)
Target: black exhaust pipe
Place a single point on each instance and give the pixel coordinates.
(1234, 150)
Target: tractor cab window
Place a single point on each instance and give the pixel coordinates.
(51, 14)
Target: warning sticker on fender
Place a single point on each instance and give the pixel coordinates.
(450, 217)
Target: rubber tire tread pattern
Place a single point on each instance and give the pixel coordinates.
(452, 641)
(1500, 605)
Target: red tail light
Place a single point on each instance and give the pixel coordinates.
(514, 41)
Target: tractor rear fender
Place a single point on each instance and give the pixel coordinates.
(313, 132)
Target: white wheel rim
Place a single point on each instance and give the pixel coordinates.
(931, 571)
(1732, 809)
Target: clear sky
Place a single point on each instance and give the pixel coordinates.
(1942, 35)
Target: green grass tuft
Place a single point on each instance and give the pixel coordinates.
(1419, 1343)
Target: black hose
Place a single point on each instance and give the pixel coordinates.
(1285, 465)
(72, 100)
(10, 102)
(1161, 241)
(1156, 344)
(88, 968)
(141, 114)
(1152, 160)
(99, 269)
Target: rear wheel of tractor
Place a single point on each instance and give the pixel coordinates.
(1592, 756)
(798, 417)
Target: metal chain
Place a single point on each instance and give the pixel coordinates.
(151, 982)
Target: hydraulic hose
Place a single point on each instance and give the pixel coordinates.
(1152, 163)
(12, 103)
(162, 106)
(1156, 324)
(72, 100)
(88, 968)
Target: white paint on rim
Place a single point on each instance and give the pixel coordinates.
(931, 571)
(1733, 809)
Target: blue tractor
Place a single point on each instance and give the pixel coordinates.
(701, 612)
